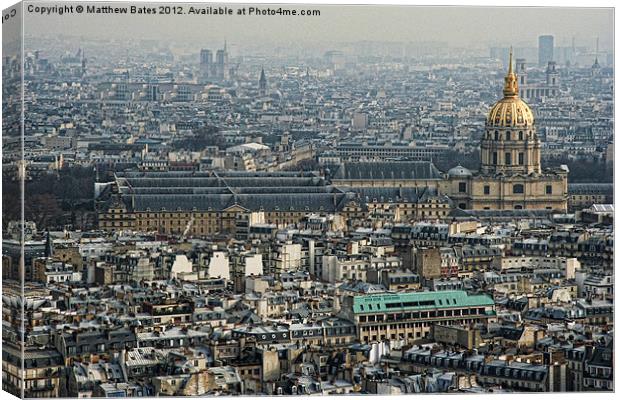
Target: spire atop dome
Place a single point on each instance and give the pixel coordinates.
(511, 87)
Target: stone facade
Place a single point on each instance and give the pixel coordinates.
(510, 175)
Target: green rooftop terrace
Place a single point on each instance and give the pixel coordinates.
(418, 301)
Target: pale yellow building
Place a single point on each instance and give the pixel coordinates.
(510, 175)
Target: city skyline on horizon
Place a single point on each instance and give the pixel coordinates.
(407, 24)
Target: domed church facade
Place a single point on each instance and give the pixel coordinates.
(510, 174)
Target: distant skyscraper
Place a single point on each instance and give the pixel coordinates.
(545, 49)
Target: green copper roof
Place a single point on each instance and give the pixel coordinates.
(418, 301)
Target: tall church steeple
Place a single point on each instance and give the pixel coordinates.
(49, 245)
(262, 83)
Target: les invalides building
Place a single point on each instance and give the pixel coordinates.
(510, 175)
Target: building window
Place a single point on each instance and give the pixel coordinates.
(521, 159)
(517, 189)
(520, 135)
(462, 206)
(462, 187)
(508, 158)
(495, 158)
(496, 135)
(518, 207)
(487, 189)
(549, 189)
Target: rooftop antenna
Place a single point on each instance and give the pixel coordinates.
(596, 64)
(597, 44)
(597, 47)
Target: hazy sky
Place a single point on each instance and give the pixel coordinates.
(458, 26)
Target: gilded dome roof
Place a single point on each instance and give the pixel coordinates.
(510, 111)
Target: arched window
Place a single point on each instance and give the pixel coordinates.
(517, 189)
(520, 135)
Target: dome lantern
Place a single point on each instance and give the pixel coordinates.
(511, 86)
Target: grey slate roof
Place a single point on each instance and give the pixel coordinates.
(210, 191)
(413, 170)
(591, 188)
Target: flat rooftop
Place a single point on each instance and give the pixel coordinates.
(418, 301)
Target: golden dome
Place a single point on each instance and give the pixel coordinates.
(511, 111)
